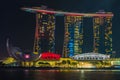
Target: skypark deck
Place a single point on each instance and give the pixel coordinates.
(97, 14)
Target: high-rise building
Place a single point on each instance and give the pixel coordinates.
(44, 34)
(73, 31)
(102, 29)
(74, 34)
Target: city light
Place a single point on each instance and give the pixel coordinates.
(44, 55)
(27, 56)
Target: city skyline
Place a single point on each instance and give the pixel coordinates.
(19, 26)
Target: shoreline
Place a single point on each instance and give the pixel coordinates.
(56, 68)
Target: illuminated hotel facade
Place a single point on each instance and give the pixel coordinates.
(73, 32)
(44, 34)
(73, 38)
(102, 29)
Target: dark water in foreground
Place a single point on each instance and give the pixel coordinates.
(82, 74)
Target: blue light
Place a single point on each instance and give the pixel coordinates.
(70, 45)
(70, 55)
(71, 40)
(71, 50)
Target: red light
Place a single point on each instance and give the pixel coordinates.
(50, 56)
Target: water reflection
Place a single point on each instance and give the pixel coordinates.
(60, 74)
(82, 75)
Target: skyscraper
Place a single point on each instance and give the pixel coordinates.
(73, 38)
(44, 34)
(102, 29)
(74, 34)
(74, 31)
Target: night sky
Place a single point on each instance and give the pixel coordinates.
(19, 26)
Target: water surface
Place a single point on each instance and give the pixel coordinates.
(81, 74)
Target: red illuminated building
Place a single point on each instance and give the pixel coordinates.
(49, 56)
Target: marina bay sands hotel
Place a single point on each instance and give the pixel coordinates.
(73, 31)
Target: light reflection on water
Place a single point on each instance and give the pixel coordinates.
(81, 74)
